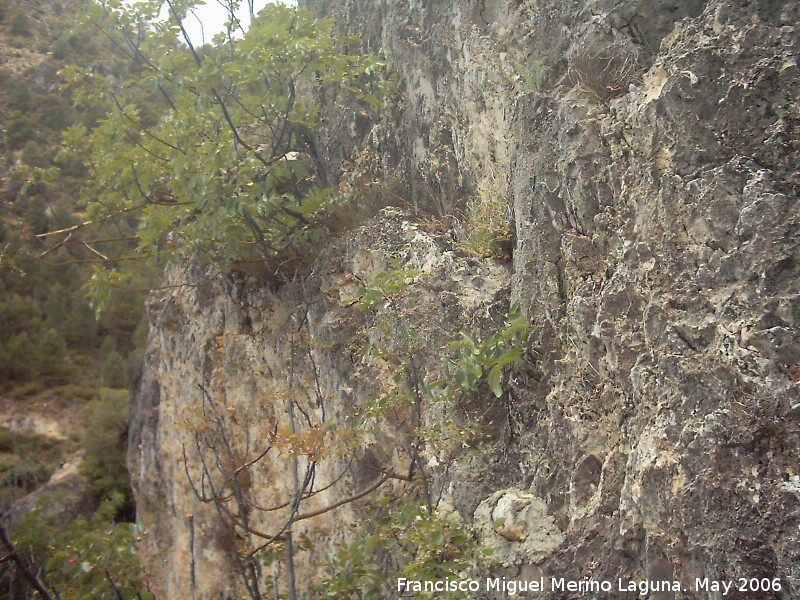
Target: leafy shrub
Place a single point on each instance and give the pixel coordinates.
(6, 440)
(18, 94)
(485, 359)
(216, 166)
(29, 462)
(36, 155)
(19, 358)
(17, 315)
(385, 287)
(529, 77)
(115, 370)
(52, 361)
(409, 541)
(87, 558)
(19, 24)
(36, 354)
(23, 390)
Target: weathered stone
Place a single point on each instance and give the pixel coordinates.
(516, 527)
(64, 497)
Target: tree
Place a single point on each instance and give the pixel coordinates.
(210, 151)
(20, 24)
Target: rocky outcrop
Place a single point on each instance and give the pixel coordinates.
(64, 497)
(649, 153)
(228, 355)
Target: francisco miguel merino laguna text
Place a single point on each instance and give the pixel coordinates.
(557, 584)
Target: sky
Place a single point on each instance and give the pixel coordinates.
(213, 15)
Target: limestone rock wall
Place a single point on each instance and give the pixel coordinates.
(227, 355)
(649, 151)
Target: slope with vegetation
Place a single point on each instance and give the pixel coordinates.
(571, 352)
(64, 378)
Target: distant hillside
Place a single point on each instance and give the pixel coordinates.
(44, 314)
(63, 374)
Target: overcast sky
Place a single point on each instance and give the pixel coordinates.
(213, 16)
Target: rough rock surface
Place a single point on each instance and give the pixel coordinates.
(252, 348)
(650, 152)
(516, 527)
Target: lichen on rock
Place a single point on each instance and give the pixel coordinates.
(515, 526)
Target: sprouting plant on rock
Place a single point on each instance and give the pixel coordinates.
(416, 538)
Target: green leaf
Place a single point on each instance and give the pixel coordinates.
(511, 356)
(494, 381)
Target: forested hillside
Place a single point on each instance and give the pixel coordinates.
(64, 373)
(45, 315)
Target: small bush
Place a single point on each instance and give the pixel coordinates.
(20, 24)
(19, 130)
(6, 440)
(115, 371)
(530, 77)
(51, 357)
(88, 558)
(429, 546)
(486, 227)
(18, 315)
(77, 392)
(29, 460)
(106, 443)
(26, 389)
(605, 74)
(18, 358)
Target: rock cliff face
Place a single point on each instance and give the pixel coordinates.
(649, 151)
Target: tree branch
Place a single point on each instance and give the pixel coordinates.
(23, 565)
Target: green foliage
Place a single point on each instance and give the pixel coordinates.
(106, 444)
(467, 365)
(6, 440)
(484, 359)
(529, 77)
(99, 287)
(385, 287)
(115, 370)
(406, 541)
(411, 538)
(52, 361)
(28, 349)
(19, 24)
(40, 279)
(18, 358)
(88, 558)
(18, 131)
(218, 163)
(27, 461)
(18, 315)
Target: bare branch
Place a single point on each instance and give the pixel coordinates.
(348, 500)
(65, 230)
(23, 565)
